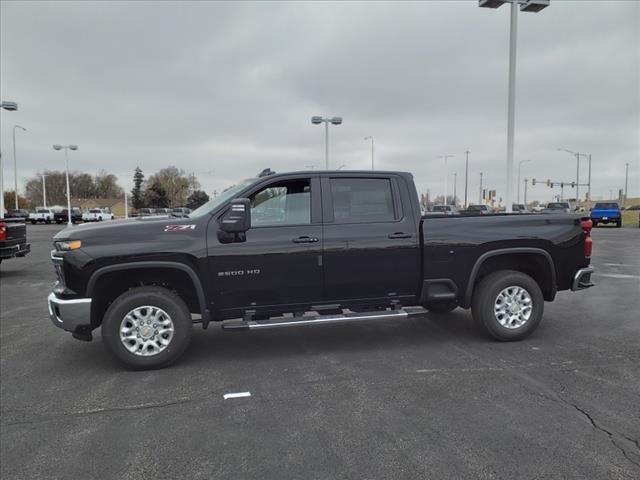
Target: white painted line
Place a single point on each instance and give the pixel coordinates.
(236, 395)
(616, 275)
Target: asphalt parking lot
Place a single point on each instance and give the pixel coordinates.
(428, 397)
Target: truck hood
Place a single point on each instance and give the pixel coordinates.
(109, 228)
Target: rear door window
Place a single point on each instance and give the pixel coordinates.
(362, 200)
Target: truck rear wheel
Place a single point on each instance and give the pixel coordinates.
(508, 305)
(147, 327)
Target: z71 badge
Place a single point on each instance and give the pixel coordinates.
(178, 228)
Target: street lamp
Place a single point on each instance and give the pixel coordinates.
(44, 192)
(578, 155)
(11, 107)
(66, 149)
(370, 137)
(519, 165)
(446, 157)
(466, 177)
(15, 164)
(525, 6)
(316, 120)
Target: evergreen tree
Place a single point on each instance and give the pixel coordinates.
(137, 199)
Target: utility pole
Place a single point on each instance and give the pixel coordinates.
(480, 195)
(44, 192)
(626, 181)
(466, 178)
(589, 181)
(455, 187)
(525, 192)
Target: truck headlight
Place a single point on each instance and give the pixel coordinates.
(68, 245)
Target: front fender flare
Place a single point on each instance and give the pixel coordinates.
(206, 314)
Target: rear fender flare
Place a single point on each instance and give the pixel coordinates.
(466, 301)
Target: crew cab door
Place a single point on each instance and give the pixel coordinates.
(371, 245)
(279, 262)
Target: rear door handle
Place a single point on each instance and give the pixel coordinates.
(305, 239)
(399, 235)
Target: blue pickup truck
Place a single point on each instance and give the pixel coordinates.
(606, 212)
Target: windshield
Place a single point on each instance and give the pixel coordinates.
(224, 197)
(94, 211)
(613, 206)
(441, 208)
(558, 205)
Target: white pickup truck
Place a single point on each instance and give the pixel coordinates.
(41, 215)
(97, 215)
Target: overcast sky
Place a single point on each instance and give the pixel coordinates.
(226, 89)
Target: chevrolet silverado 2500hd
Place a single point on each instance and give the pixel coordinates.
(307, 248)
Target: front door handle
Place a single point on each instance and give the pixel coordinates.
(305, 239)
(399, 235)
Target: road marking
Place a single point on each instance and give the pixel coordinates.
(236, 395)
(617, 275)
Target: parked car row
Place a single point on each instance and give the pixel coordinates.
(180, 212)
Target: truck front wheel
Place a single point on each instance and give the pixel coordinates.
(508, 305)
(147, 327)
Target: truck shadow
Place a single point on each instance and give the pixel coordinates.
(218, 347)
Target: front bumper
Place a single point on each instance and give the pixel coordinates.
(19, 250)
(71, 315)
(582, 279)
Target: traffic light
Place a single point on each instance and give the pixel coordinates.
(573, 184)
(549, 184)
(533, 181)
(561, 184)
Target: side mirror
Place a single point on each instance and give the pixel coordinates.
(238, 218)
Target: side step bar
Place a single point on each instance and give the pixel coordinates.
(281, 322)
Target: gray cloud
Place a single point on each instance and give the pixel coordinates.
(226, 89)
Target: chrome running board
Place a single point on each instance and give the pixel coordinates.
(306, 320)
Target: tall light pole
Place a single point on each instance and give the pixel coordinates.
(626, 182)
(15, 164)
(455, 187)
(466, 177)
(578, 155)
(525, 6)
(44, 192)
(316, 120)
(10, 107)
(446, 157)
(525, 192)
(480, 194)
(519, 165)
(370, 137)
(66, 149)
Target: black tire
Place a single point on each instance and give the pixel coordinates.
(47, 221)
(33, 222)
(441, 307)
(153, 296)
(595, 224)
(486, 294)
(619, 224)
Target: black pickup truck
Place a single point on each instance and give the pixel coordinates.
(13, 238)
(63, 216)
(307, 248)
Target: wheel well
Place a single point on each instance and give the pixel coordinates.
(534, 265)
(111, 285)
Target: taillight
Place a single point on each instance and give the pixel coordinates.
(3, 231)
(587, 225)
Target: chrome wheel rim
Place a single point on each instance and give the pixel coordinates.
(146, 331)
(513, 307)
